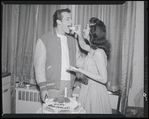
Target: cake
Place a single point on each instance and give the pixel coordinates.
(62, 105)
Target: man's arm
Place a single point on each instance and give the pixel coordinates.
(39, 63)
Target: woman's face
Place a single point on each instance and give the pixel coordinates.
(86, 32)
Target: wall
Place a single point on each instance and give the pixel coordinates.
(6, 103)
(135, 95)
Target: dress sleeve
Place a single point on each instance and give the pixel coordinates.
(39, 64)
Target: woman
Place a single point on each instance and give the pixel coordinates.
(94, 95)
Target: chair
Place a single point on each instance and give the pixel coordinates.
(117, 93)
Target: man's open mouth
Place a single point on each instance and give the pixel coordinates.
(69, 27)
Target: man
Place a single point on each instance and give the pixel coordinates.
(54, 53)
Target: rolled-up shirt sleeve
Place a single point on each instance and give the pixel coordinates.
(39, 64)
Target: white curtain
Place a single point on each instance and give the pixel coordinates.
(128, 36)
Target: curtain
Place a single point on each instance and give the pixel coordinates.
(129, 11)
(9, 44)
(26, 29)
(8, 22)
(45, 18)
(111, 15)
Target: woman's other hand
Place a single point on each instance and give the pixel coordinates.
(71, 68)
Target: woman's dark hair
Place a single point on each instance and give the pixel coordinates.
(98, 36)
(58, 16)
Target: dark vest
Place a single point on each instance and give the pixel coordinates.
(53, 59)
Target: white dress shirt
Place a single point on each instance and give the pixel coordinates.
(65, 58)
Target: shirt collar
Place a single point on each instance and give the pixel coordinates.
(54, 32)
(61, 36)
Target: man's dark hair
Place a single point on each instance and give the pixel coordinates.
(58, 15)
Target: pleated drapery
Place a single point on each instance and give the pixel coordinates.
(129, 9)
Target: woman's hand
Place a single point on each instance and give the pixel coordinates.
(78, 30)
(71, 68)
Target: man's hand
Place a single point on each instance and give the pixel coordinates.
(44, 95)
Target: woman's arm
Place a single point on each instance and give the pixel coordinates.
(83, 45)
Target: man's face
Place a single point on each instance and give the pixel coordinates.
(66, 22)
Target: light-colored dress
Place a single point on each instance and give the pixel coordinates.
(94, 96)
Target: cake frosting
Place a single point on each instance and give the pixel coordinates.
(62, 105)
